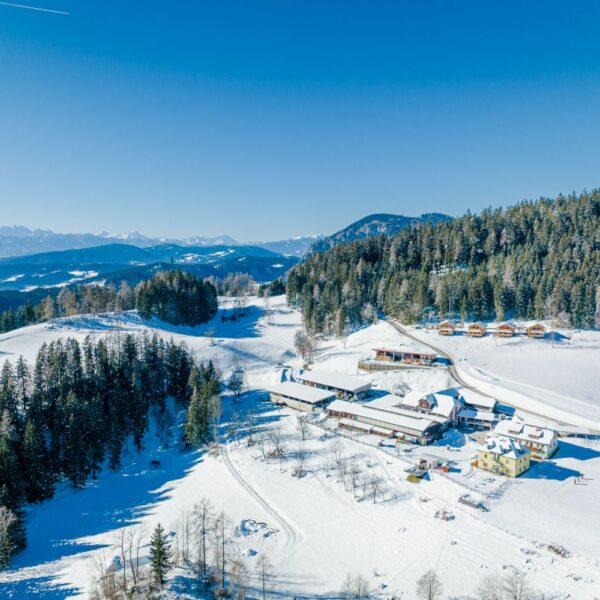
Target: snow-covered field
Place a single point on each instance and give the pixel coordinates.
(316, 528)
(562, 374)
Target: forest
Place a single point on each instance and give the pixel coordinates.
(79, 407)
(173, 296)
(535, 260)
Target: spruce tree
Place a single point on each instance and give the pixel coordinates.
(160, 556)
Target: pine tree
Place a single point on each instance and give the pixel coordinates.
(193, 427)
(160, 556)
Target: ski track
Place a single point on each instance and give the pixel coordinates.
(289, 531)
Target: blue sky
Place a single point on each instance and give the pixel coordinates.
(266, 120)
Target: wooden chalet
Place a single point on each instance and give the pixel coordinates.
(404, 356)
(535, 330)
(476, 329)
(446, 328)
(506, 330)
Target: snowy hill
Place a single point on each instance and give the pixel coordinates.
(373, 225)
(314, 528)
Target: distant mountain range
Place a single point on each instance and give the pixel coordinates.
(22, 241)
(35, 259)
(118, 262)
(373, 225)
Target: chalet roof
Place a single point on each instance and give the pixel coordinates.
(527, 433)
(388, 420)
(448, 324)
(474, 399)
(303, 393)
(504, 446)
(477, 324)
(334, 380)
(505, 324)
(442, 402)
(534, 324)
(393, 404)
(480, 415)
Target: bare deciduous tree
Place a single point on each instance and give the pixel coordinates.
(264, 568)
(302, 423)
(355, 587)
(429, 586)
(516, 586)
(203, 518)
(491, 588)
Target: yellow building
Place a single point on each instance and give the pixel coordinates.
(503, 456)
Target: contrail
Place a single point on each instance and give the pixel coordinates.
(47, 10)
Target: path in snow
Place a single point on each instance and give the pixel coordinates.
(291, 538)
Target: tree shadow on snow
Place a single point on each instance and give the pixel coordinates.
(59, 528)
(45, 588)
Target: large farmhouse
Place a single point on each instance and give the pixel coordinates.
(542, 443)
(503, 456)
(298, 396)
(342, 385)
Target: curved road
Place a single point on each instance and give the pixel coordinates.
(289, 531)
(451, 368)
(454, 373)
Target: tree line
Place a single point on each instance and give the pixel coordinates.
(174, 296)
(78, 407)
(535, 260)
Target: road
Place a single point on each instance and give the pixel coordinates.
(291, 537)
(455, 374)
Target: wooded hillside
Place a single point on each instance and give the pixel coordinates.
(534, 260)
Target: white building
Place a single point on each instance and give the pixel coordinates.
(301, 397)
(415, 428)
(542, 442)
(343, 385)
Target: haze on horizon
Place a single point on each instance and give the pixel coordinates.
(276, 119)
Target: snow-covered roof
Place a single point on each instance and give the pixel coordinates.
(303, 393)
(419, 352)
(507, 324)
(473, 398)
(480, 415)
(528, 433)
(394, 404)
(335, 380)
(477, 324)
(443, 401)
(393, 421)
(504, 446)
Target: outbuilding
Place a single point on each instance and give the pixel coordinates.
(506, 329)
(446, 328)
(342, 385)
(298, 396)
(535, 330)
(476, 329)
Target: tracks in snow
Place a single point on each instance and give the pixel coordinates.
(291, 537)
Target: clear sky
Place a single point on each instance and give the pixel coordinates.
(266, 120)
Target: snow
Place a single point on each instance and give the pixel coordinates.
(351, 385)
(301, 392)
(314, 528)
(557, 376)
